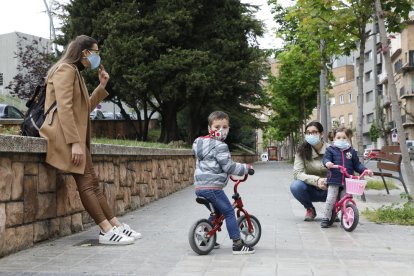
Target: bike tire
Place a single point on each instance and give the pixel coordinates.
(249, 239)
(196, 237)
(353, 219)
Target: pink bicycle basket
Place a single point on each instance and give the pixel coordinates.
(355, 186)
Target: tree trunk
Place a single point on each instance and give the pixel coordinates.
(360, 94)
(169, 127)
(395, 107)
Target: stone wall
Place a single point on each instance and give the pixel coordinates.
(38, 202)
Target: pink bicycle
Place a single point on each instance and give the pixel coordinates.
(354, 185)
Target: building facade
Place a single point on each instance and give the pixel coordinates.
(8, 61)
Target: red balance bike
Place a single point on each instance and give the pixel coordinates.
(203, 233)
(354, 185)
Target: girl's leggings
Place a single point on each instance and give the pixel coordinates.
(92, 197)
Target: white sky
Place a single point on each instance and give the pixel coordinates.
(29, 16)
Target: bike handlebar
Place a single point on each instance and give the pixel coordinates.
(240, 180)
(344, 171)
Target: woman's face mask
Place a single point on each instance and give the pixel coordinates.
(94, 59)
(312, 139)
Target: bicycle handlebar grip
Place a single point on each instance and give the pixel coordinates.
(251, 171)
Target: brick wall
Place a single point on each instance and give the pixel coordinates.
(38, 202)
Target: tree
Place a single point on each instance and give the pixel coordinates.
(395, 17)
(34, 59)
(374, 132)
(168, 55)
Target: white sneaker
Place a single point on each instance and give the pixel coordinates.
(114, 236)
(129, 232)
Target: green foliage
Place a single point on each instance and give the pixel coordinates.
(379, 185)
(394, 213)
(169, 55)
(374, 132)
(135, 143)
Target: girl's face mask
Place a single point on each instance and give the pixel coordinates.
(342, 144)
(220, 134)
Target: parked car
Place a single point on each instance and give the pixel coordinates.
(373, 154)
(410, 146)
(10, 112)
(96, 115)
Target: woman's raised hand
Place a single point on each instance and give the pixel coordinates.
(103, 76)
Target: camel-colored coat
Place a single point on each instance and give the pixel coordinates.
(69, 123)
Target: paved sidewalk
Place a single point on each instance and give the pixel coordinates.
(289, 246)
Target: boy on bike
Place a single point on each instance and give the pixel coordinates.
(213, 168)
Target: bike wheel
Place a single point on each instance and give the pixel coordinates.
(351, 223)
(250, 239)
(197, 236)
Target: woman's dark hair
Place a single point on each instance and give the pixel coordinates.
(305, 150)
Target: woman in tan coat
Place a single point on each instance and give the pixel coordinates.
(67, 130)
(308, 170)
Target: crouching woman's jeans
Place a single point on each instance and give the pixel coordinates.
(223, 206)
(306, 194)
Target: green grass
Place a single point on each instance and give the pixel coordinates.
(134, 143)
(379, 185)
(402, 214)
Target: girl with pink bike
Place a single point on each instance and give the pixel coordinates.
(338, 155)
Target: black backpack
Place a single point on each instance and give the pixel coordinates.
(35, 115)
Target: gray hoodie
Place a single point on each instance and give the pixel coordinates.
(214, 164)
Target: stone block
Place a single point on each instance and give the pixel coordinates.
(29, 196)
(31, 169)
(65, 227)
(24, 236)
(54, 227)
(77, 225)
(86, 218)
(17, 187)
(135, 202)
(41, 231)
(120, 207)
(47, 178)
(67, 197)
(8, 242)
(2, 218)
(110, 192)
(14, 213)
(46, 206)
(6, 179)
(122, 174)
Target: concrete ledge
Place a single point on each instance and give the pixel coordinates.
(15, 143)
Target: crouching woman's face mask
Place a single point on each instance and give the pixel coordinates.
(220, 134)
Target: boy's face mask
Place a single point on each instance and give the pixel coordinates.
(220, 134)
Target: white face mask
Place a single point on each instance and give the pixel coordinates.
(342, 144)
(312, 139)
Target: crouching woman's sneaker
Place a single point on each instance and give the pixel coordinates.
(115, 237)
(129, 232)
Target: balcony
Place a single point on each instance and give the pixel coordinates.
(382, 78)
(407, 67)
(386, 101)
(408, 94)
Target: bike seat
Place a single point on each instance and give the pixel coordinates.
(202, 200)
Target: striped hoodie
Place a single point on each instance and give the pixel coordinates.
(214, 164)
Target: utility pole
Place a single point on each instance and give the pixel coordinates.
(52, 27)
(322, 94)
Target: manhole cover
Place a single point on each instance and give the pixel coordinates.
(86, 243)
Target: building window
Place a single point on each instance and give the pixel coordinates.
(341, 99)
(368, 56)
(1, 79)
(334, 122)
(350, 97)
(350, 120)
(368, 76)
(342, 120)
(332, 100)
(397, 66)
(369, 96)
(370, 118)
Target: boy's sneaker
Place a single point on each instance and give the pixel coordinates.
(325, 223)
(242, 249)
(114, 236)
(310, 214)
(129, 232)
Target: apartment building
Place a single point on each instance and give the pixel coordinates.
(8, 60)
(402, 58)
